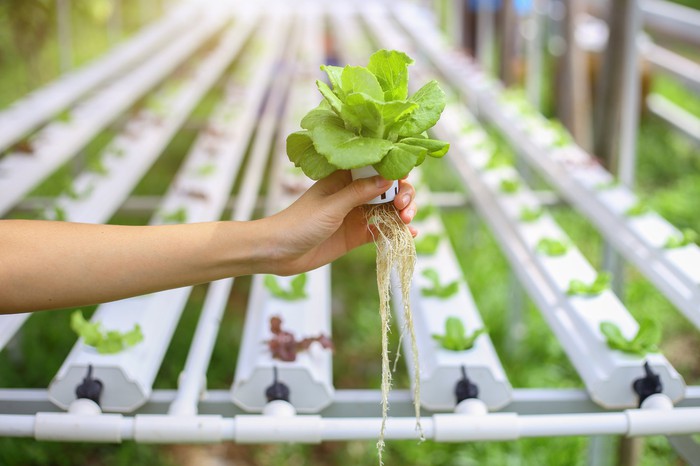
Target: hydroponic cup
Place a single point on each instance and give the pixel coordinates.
(369, 171)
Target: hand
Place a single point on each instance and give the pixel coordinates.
(327, 221)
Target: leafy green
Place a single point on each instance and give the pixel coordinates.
(510, 186)
(600, 284)
(499, 158)
(528, 214)
(295, 292)
(552, 247)
(367, 118)
(688, 236)
(428, 244)
(175, 216)
(455, 337)
(424, 212)
(645, 341)
(106, 342)
(438, 290)
(640, 208)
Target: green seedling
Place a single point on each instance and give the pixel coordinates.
(499, 158)
(207, 169)
(104, 341)
(640, 208)
(455, 337)
(605, 185)
(424, 212)
(688, 236)
(176, 216)
(581, 288)
(427, 245)
(367, 118)
(552, 247)
(528, 214)
(562, 136)
(510, 185)
(295, 292)
(438, 290)
(645, 341)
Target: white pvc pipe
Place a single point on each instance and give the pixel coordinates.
(114, 428)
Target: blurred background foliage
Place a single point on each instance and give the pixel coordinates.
(668, 177)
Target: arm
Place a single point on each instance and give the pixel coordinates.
(52, 265)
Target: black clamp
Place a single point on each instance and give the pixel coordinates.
(91, 388)
(648, 385)
(465, 389)
(278, 390)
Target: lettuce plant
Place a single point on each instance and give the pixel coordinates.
(529, 214)
(509, 185)
(367, 118)
(455, 337)
(296, 288)
(427, 245)
(688, 236)
(552, 247)
(438, 290)
(600, 284)
(645, 341)
(105, 341)
(640, 208)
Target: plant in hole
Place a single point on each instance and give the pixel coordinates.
(645, 341)
(605, 185)
(65, 116)
(640, 208)
(284, 346)
(600, 284)
(104, 341)
(688, 236)
(427, 244)
(509, 185)
(205, 170)
(296, 288)
(499, 158)
(455, 337)
(425, 212)
(530, 214)
(175, 216)
(367, 118)
(438, 290)
(552, 247)
(562, 136)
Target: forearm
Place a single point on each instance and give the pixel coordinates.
(51, 265)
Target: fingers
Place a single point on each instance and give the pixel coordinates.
(358, 192)
(405, 202)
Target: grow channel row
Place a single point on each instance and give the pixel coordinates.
(442, 305)
(668, 257)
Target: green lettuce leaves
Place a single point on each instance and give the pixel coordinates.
(366, 118)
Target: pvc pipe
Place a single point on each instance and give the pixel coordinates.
(16, 425)
(280, 408)
(263, 429)
(472, 407)
(113, 428)
(85, 407)
(103, 428)
(178, 429)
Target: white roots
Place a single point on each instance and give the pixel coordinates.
(395, 252)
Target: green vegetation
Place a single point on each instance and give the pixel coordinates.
(438, 289)
(529, 214)
(510, 185)
(597, 286)
(645, 341)
(367, 118)
(427, 245)
(552, 247)
(455, 337)
(688, 236)
(104, 341)
(296, 289)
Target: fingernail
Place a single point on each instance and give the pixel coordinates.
(405, 200)
(410, 212)
(381, 182)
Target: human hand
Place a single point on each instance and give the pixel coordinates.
(327, 221)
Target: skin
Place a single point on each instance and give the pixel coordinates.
(53, 265)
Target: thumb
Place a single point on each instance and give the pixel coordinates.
(359, 192)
